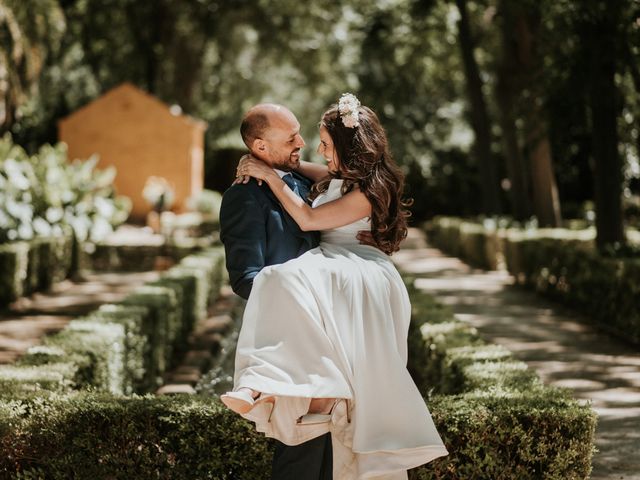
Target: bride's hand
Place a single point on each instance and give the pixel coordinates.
(243, 165)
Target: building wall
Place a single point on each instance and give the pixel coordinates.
(138, 135)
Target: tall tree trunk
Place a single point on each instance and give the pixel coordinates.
(546, 200)
(508, 87)
(479, 116)
(601, 36)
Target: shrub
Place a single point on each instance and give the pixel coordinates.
(511, 434)
(494, 414)
(104, 344)
(99, 436)
(559, 263)
(132, 318)
(14, 260)
(161, 303)
(21, 380)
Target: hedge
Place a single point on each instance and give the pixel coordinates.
(495, 416)
(121, 348)
(50, 261)
(14, 260)
(97, 436)
(559, 263)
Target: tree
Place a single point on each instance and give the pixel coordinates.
(29, 29)
(479, 115)
(599, 28)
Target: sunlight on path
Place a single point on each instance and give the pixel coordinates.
(30, 318)
(563, 348)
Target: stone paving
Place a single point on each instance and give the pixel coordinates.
(560, 345)
(30, 318)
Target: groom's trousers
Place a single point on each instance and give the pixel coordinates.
(312, 460)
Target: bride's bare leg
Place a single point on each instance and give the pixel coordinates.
(321, 405)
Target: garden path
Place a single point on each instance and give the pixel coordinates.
(561, 346)
(30, 318)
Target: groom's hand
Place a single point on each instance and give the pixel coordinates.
(366, 238)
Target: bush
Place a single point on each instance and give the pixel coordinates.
(104, 347)
(559, 263)
(17, 381)
(124, 258)
(136, 342)
(478, 244)
(50, 261)
(14, 261)
(162, 305)
(494, 414)
(506, 435)
(196, 292)
(100, 436)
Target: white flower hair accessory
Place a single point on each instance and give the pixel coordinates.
(348, 108)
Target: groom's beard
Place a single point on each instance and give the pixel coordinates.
(289, 163)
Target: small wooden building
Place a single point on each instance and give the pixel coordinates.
(142, 137)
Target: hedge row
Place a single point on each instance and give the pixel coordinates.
(35, 265)
(31, 266)
(122, 348)
(559, 263)
(136, 258)
(496, 417)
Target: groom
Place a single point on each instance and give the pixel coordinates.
(256, 232)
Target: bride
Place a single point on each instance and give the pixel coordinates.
(323, 344)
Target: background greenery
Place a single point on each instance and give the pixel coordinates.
(525, 108)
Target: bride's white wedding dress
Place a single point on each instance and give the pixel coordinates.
(333, 323)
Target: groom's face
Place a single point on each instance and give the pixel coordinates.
(283, 141)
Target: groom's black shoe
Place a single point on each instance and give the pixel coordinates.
(312, 460)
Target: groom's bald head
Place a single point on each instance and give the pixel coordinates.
(272, 134)
(258, 119)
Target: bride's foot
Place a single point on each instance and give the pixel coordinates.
(243, 400)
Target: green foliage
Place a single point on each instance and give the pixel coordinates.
(99, 436)
(495, 416)
(496, 423)
(104, 344)
(502, 435)
(14, 261)
(559, 263)
(161, 303)
(132, 319)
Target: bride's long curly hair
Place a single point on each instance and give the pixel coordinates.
(365, 161)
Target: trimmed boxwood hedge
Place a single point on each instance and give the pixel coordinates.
(122, 348)
(14, 260)
(97, 436)
(495, 416)
(27, 267)
(559, 263)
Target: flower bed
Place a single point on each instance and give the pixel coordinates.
(52, 206)
(496, 418)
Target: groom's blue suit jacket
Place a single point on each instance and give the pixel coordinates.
(256, 232)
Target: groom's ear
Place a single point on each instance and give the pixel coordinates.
(259, 145)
